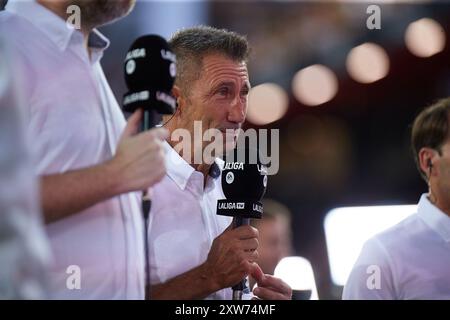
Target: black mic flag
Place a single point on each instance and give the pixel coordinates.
(150, 72)
(244, 182)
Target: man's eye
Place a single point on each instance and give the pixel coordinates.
(244, 93)
(223, 91)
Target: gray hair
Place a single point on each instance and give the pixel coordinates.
(191, 45)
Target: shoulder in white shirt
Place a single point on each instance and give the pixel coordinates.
(408, 261)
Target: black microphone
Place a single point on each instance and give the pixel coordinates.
(150, 72)
(244, 183)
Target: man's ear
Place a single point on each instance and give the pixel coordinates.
(427, 156)
(176, 92)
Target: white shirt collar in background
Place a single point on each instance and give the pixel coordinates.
(434, 217)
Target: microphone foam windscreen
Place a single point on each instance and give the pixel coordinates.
(150, 65)
(244, 177)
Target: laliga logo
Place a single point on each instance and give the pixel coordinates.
(138, 96)
(234, 166)
(172, 70)
(130, 67)
(167, 55)
(229, 177)
(232, 205)
(134, 54)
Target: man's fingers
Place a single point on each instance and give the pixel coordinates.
(269, 294)
(150, 140)
(257, 273)
(249, 244)
(275, 283)
(133, 124)
(160, 133)
(254, 255)
(246, 232)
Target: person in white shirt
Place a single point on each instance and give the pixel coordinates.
(411, 260)
(89, 159)
(24, 250)
(194, 254)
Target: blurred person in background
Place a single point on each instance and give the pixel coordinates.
(89, 159)
(411, 260)
(275, 236)
(24, 251)
(194, 252)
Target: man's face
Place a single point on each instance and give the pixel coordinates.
(218, 98)
(95, 13)
(442, 165)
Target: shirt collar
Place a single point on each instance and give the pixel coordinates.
(98, 43)
(437, 220)
(97, 40)
(53, 26)
(180, 171)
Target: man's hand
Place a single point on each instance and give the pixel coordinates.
(138, 164)
(270, 287)
(230, 260)
(231, 256)
(139, 159)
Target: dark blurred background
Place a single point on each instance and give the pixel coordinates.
(350, 150)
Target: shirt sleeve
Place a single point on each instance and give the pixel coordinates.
(372, 275)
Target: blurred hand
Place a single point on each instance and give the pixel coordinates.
(269, 287)
(139, 159)
(231, 256)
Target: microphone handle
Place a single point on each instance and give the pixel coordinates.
(239, 288)
(147, 123)
(239, 221)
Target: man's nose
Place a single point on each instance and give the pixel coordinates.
(237, 111)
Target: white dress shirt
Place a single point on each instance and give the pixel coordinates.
(411, 258)
(24, 250)
(183, 220)
(76, 122)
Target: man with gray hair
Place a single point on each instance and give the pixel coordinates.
(90, 160)
(195, 253)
